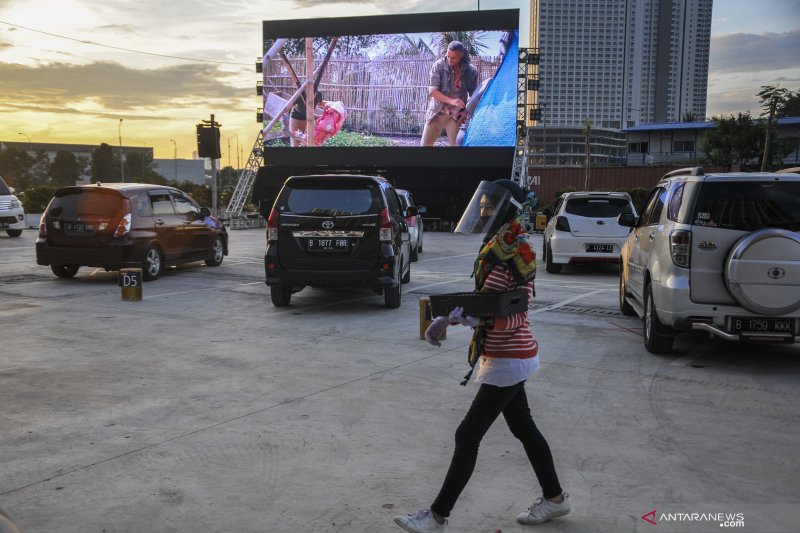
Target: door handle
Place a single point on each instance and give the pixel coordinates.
(159, 222)
(652, 235)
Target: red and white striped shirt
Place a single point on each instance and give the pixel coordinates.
(510, 348)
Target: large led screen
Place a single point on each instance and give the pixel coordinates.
(440, 79)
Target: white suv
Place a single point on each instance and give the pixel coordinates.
(12, 217)
(584, 229)
(718, 253)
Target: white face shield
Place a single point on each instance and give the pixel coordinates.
(488, 209)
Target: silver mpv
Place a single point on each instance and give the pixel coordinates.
(715, 252)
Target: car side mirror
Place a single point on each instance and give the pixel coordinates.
(205, 212)
(11, 190)
(422, 209)
(626, 219)
(412, 211)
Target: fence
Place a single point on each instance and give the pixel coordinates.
(385, 96)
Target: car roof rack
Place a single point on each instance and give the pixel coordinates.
(691, 171)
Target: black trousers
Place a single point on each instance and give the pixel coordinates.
(489, 402)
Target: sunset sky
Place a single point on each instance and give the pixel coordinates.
(58, 85)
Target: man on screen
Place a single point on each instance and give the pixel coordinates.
(452, 80)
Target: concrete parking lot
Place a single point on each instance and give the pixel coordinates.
(204, 408)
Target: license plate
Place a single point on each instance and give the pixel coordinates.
(78, 226)
(763, 325)
(5, 225)
(600, 248)
(327, 244)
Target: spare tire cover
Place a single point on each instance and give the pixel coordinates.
(762, 271)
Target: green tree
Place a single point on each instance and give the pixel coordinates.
(65, 169)
(472, 40)
(772, 97)
(103, 165)
(40, 169)
(735, 140)
(791, 107)
(15, 166)
(37, 198)
(690, 116)
(587, 128)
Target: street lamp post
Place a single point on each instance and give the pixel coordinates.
(175, 157)
(238, 164)
(121, 168)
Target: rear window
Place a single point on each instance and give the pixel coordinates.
(598, 207)
(72, 203)
(748, 206)
(339, 201)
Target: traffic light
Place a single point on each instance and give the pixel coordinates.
(208, 141)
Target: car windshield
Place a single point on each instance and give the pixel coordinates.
(73, 203)
(749, 206)
(4, 190)
(331, 201)
(598, 207)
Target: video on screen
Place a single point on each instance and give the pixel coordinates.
(450, 88)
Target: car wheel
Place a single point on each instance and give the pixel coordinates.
(391, 296)
(407, 276)
(657, 337)
(624, 307)
(14, 232)
(419, 244)
(552, 268)
(281, 295)
(151, 266)
(64, 271)
(217, 253)
(414, 253)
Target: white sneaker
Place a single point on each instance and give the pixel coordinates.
(419, 522)
(543, 510)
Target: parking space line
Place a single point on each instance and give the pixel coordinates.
(446, 257)
(567, 301)
(202, 290)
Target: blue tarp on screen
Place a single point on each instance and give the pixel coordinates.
(494, 120)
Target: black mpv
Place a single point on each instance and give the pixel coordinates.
(337, 231)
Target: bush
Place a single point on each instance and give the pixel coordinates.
(351, 138)
(35, 199)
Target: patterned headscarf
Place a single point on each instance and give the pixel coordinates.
(510, 245)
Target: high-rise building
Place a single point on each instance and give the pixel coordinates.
(621, 62)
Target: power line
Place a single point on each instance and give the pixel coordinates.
(83, 41)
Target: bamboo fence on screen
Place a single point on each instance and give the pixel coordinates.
(385, 96)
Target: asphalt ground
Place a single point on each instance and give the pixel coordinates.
(204, 408)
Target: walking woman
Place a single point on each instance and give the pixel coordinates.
(506, 354)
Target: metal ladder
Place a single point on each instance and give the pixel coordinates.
(247, 177)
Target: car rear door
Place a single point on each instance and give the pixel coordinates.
(168, 225)
(642, 240)
(327, 224)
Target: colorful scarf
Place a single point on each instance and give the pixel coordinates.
(510, 245)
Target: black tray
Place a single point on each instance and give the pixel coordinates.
(480, 304)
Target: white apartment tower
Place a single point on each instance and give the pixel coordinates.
(621, 62)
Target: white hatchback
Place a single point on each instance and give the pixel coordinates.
(584, 228)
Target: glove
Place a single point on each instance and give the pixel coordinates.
(456, 315)
(435, 330)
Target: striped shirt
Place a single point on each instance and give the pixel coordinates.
(510, 348)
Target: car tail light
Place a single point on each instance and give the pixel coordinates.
(562, 224)
(124, 226)
(42, 227)
(272, 226)
(386, 231)
(411, 221)
(680, 245)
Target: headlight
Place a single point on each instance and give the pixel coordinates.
(15, 203)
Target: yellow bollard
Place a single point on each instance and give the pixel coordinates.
(425, 318)
(130, 279)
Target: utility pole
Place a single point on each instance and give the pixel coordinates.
(175, 157)
(121, 167)
(208, 146)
